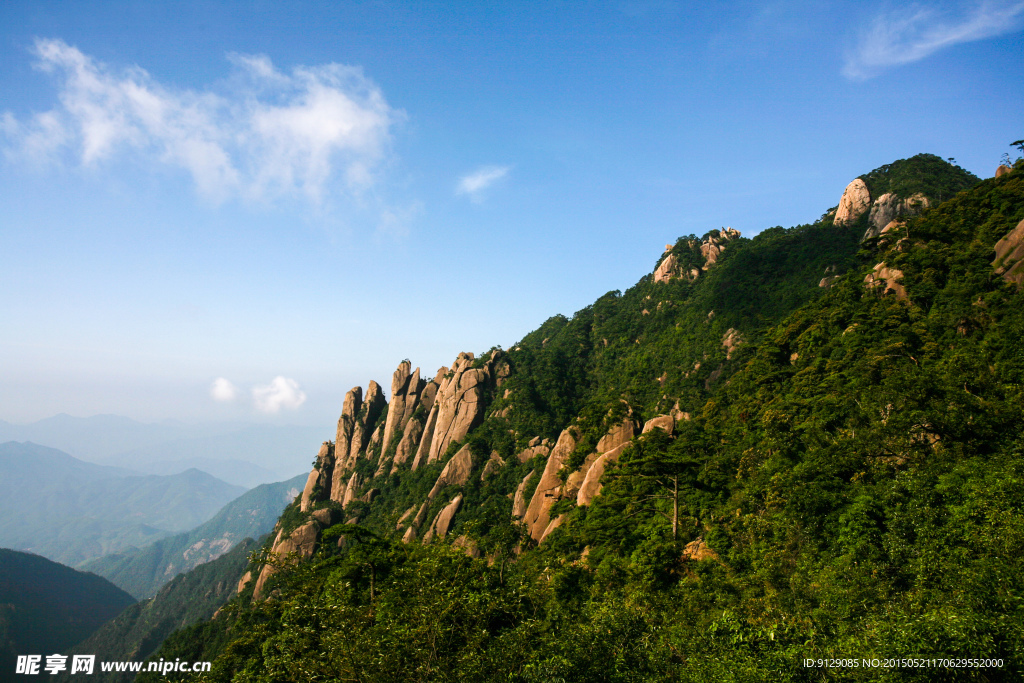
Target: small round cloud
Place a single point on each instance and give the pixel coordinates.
(282, 392)
(223, 390)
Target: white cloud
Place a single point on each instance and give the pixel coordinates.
(223, 391)
(915, 32)
(282, 392)
(479, 180)
(270, 133)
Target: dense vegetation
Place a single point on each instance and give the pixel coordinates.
(46, 607)
(143, 571)
(848, 485)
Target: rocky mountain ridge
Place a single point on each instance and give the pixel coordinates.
(427, 421)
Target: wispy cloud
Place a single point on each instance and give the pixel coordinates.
(269, 133)
(223, 391)
(282, 392)
(915, 32)
(479, 180)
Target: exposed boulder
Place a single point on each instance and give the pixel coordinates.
(407, 446)
(856, 200)
(714, 244)
(365, 424)
(325, 517)
(302, 541)
(536, 517)
(318, 484)
(468, 546)
(666, 423)
(354, 482)
(1002, 170)
(455, 473)
(591, 485)
(699, 550)
(617, 435)
(347, 423)
(423, 450)
(552, 525)
(730, 340)
(889, 277)
(1009, 259)
(400, 381)
(534, 450)
(519, 500)
(889, 207)
(459, 405)
(244, 581)
(666, 270)
(443, 523)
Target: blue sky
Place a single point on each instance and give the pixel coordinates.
(241, 210)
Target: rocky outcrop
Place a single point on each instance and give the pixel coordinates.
(666, 270)
(519, 499)
(1002, 170)
(855, 201)
(351, 489)
(536, 517)
(301, 541)
(536, 448)
(698, 550)
(443, 522)
(455, 473)
(1009, 258)
(591, 484)
(889, 207)
(459, 405)
(714, 244)
(730, 340)
(423, 450)
(889, 277)
(319, 477)
(711, 247)
(666, 423)
(357, 423)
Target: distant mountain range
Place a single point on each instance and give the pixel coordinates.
(70, 511)
(238, 453)
(139, 630)
(46, 607)
(142, 572)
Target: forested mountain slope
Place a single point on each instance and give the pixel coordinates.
(143, 571)
(72, 511)
(46, 607)
(804, 445)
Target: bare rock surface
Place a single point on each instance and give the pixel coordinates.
(889, 277)
(536, 517)
(666, 270)
(889, 207)
(855, 201)
(1009, 260)
(443, 523)
(1002, 170)
(301, 541)
(455, 473)
(591, 485)
(519, 500)
(666, 423)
